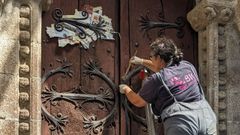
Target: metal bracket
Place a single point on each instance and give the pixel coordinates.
(146, 24)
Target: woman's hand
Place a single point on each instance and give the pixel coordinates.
(123, 88)
(136, 60)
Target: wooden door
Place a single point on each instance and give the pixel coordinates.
(79, 90)
(79, 85)
(144, 20)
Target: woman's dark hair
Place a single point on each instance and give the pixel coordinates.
(167, 50)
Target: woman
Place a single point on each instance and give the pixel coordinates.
(173, 91)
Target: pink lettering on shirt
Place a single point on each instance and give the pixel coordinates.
(182, 82)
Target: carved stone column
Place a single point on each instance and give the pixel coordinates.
(30, 28)
(211, 18)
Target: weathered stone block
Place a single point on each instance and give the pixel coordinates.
(24, 24)
(233, 111)
(24, 114)
(24, 127)
(24, 82)
(237, 14)
(35, 98)
(24, 52)
(233, 71)
(24, 69)
(36, 60)
(25, 37)
(9, 56)
(8, 23)
(9, 96)
(8, 127)
(233, 128)
(35, 127)
(24, 97)
(25, 11)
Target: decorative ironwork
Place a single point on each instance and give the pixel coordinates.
(146, 24)
(57, 122)
(135, 116)
(92, 124)
(65, 69)
(78, 26)
(83, 27)
(105, 99)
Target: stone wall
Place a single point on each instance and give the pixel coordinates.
(9, 73)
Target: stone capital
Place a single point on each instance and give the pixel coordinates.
(208, 11)
(46, 4)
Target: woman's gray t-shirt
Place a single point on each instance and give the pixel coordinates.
(181, 81)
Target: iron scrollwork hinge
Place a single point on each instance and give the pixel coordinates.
(146, 24)
(105, 98)
(76, 25)
(83, 27)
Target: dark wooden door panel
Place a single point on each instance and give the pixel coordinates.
(188, 43)
(161, 11)
(104, 53)
(50, 53)
(139, 38)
